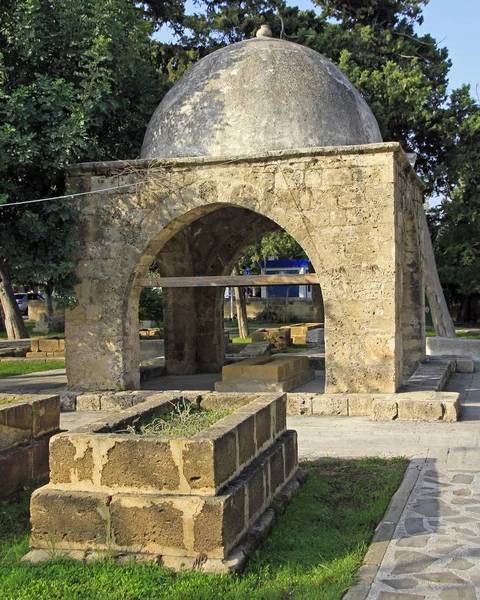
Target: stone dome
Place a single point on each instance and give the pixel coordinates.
(256, 96)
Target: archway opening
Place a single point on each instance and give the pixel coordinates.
(199, 334)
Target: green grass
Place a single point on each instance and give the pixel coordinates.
(293, 349)
(313, 552)
(9, 369)
(461, 334)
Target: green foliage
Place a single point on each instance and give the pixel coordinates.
(77, 83)
(150, 306)
(314, 551)
(278, 244)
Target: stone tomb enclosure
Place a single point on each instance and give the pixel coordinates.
(265, 373)
(188, 502)
(26, 425)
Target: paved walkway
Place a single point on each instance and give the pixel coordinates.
(428, 546)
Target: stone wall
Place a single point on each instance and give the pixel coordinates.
(299, 308)
(26, 425)
(340, 204)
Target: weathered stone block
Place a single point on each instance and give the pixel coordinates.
(330, 405)
(263, 426)
(257, 490)
(69, 519)
(220, 522)
(15, 425)
(71, 459)
(45, 415)
(88, 402)
(464, 365)
(290, 453)
(360, 405)
(15, 469)
(299, 403)
(140, 463)
(277, 468)
(246, 439)
(151, 524)
(40, 458)
(280, 424)
(413, 408)
(51, 345)
(116, 402)
(385, 410)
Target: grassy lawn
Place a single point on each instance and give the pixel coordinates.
(461, 334)
(9, 369)
(314, 551)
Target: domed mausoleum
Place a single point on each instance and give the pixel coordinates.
(258, 96)
(261, 135)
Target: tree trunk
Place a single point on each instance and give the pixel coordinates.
(241, 306)
(317, 300)
(442, 321)
(48, 301)
(14, 324)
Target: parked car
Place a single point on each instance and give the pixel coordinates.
(23, 298)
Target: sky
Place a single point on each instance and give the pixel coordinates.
(454, 24)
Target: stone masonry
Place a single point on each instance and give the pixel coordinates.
(188, 502)
(355, 210)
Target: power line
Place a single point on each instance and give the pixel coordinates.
(71, 195)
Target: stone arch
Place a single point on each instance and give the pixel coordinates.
(340, 204)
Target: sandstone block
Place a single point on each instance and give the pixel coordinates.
(15, 469)
(35, 354)
(246, 439)
(330, 405)
(210, 459)
(277, 468)
(263, 426)
(280, 415)
(140, 463)
(40, 459)
(426, 410)
(299, 404)
(45, 415)
(385, 410)
(151, 524)
(15, 425)
(360, 405)
(69, 519)
(51, 345)
(115, 402)
(71, 459)
(257, 490)
(220, 522)
(88, 402)
(464, 365)
(290, 453)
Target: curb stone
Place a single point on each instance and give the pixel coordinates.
(384, 533)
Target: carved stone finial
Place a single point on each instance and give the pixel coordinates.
(264, 31)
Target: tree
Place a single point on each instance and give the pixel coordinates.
(455, 225)
(77, 83)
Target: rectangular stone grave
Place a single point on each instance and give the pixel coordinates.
(265, 374)
(185, 501)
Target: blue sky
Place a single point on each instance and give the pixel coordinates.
(455, 24)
